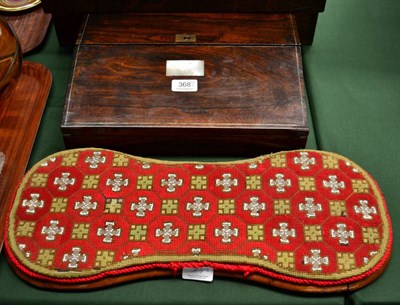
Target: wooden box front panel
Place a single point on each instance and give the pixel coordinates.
(251, 98)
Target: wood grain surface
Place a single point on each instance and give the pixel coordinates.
(251, 99)
(68, 15)
(31, 27)
(20, 113)
(232, 29)
(171, 6)
(10, 55)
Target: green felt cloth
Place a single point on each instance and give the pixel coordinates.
(353, 78)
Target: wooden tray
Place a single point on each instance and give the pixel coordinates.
(20, 114)
(30, 26)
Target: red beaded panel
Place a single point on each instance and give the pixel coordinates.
(302, 216)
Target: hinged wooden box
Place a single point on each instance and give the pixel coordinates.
(187, 83)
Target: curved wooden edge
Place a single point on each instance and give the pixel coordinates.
(30, 26)
(21, 110)
(162, 273)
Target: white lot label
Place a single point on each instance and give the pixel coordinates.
(205, 274)
(184, 85)
(185, 68)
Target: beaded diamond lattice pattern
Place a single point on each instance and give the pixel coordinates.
(301, 215)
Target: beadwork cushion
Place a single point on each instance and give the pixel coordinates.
(302, 220)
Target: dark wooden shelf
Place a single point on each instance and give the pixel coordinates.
(68, 15)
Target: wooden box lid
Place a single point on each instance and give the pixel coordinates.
(67, 15)
(224, 29)
(252, 89)
(189, 6)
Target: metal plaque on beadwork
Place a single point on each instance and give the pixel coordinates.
(301, 220)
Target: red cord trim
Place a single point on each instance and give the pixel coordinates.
(176, 266)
